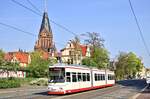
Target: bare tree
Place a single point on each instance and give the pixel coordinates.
(94, 40)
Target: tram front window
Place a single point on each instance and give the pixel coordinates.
(57, 75)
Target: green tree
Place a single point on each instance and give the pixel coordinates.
(99, 55)
(38, 66)
(2, 53)
(89, 62)
(128, 66)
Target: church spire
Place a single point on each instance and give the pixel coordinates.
(45, 38)
(45, 23)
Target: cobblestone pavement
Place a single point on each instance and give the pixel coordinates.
(122, 90)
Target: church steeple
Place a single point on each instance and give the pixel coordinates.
(45, 23)
(45, 38)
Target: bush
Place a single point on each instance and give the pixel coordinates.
(40, 82)
(9, 83)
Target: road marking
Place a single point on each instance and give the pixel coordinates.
(137, 95)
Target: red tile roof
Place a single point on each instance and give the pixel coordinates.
(84, 49)
(8, 56)
(22, 57)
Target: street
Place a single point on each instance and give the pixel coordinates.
(126, 89)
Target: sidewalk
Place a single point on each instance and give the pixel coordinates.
(22, 88)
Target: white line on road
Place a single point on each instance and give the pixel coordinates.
(137, 95)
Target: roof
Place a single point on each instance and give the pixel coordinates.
(84, 49)
(22, 57)
(45, 23)
(8, 56)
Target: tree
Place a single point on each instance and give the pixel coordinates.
(94, 40)
(99, 55)
(77, 49)
(38, 66)
(128, 65)
(2, 53)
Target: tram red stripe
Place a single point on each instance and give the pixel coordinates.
(81, 89)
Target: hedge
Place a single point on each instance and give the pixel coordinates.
(9, 83)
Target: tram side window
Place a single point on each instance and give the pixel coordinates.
(74, 77)
(88, 77)
(103, 76)
(79, 77)
(95, 77)
(110, 77)
(99, 77)
(68, 78)
(84, 76)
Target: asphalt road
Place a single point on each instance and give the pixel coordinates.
(122, 90)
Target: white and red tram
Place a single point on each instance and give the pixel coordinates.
(65, 79)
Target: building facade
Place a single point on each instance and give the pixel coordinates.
(74, 53)
(23, 58)
(20, 57)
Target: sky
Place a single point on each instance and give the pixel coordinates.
(113, 19)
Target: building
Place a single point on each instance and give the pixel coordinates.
(74, 53)
(45, 38)
(23, 58)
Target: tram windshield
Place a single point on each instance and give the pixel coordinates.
(56, 75)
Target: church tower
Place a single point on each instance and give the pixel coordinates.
(45, 37)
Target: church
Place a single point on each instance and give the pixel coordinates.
(45, 37)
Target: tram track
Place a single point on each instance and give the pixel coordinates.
(91, 94)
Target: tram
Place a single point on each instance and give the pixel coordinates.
(65, 79)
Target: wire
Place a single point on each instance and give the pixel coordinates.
(15, 28)
(26, 7)
(33, 6)
(20, 30)
(61, 26)
(139, 28)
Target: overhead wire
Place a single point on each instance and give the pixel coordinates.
(139, 28)
(59, 25)
(15, 28)
(25, 32)
(33, 6)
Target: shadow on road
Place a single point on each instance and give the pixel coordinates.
(45, 94)
(138, 83)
